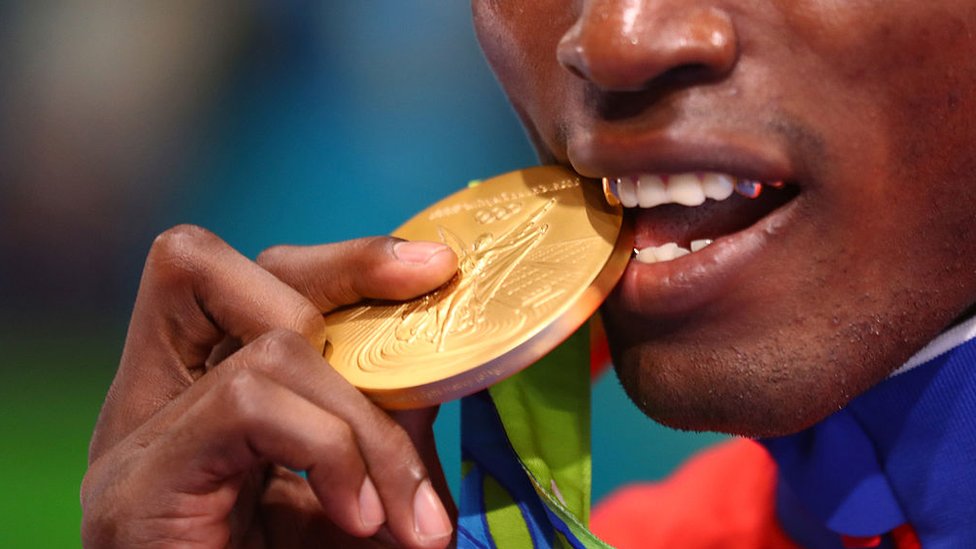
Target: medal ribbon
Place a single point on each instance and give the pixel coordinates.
(525, 449)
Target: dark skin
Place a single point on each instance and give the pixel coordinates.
(864, 108)
(222, 389)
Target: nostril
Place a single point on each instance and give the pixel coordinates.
(631, 53)
(689, 74)
(575, 72)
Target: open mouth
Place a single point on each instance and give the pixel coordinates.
(676, 215)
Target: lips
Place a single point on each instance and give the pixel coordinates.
(702, 217)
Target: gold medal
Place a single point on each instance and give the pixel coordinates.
(538, 251)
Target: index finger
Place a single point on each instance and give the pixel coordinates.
(195, 291)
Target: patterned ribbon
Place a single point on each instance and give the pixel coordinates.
(525, 449)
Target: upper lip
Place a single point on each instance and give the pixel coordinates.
(615, 154)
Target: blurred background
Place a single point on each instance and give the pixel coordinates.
(266, 121)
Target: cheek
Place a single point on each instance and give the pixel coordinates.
(893, 62)
(927, 109)
(900, 82)
(519, 40)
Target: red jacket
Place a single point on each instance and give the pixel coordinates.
(722, 498)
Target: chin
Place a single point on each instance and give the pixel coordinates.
(733, 391)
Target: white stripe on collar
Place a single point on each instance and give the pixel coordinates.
(945, 342)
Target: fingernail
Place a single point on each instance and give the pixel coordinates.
(417, 252)
(430, 520)
(370, 506)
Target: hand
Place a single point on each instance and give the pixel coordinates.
(222, 392)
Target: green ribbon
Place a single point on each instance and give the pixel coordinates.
(545, 413)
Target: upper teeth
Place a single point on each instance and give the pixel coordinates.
(687, 189)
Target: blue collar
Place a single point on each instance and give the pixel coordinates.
(905, 451)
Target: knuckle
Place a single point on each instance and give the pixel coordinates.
(181, 240)
(240, 395)
(343, 437)
(279, 346)
(178, 251)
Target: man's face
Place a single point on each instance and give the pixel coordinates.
(811, 293)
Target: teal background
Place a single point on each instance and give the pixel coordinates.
(337, 121)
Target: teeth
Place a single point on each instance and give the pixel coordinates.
(669, 251)
(652, 191)
(718, 186)
(687, 189)
(647, 255)
(698, 245)
(665, 252)
(627, 192)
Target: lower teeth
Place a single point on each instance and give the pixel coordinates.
(669, 251)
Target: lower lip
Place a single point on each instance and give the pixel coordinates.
(691, 282)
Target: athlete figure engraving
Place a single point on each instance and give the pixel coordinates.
(483, 267)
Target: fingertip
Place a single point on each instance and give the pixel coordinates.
(444, 263)
(370, 507)
(449, 258)
(419, 267)
(421, 252)
(432, 525)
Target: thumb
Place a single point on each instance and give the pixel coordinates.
(333, 275)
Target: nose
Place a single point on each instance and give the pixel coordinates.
(625, 45)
